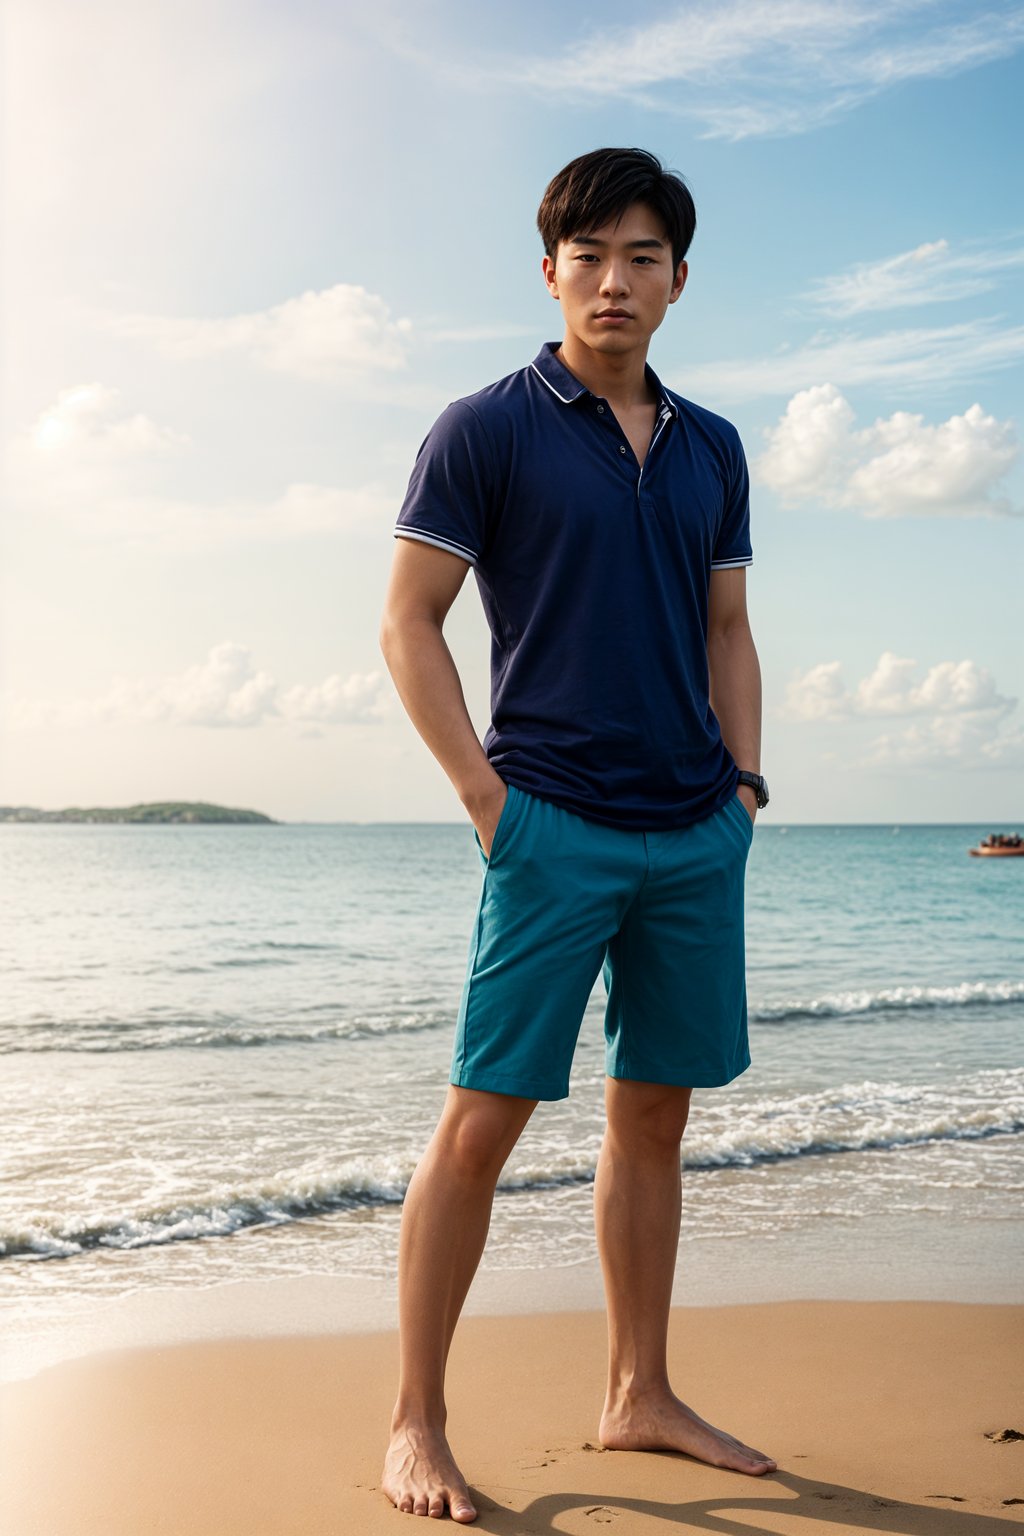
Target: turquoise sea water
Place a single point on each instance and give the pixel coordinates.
(224, 1048)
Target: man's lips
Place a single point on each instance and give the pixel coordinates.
(613, 314)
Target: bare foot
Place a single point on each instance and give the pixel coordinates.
(660, 1422)
(420, 1476)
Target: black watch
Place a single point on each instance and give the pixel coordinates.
(758, 784)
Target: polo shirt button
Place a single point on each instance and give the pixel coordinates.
(622, 447)
(600, 410)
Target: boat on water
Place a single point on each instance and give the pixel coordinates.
(1000, 845)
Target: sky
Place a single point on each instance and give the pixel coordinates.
(250, 251)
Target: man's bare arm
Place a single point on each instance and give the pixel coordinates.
(735, 673)
(424, 583)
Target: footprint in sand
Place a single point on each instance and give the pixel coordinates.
(600, 1514)
(1002, 1436)
(550, 1459)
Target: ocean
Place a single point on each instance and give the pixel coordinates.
(225, 1047)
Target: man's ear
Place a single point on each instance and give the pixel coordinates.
(547, 266)
(678, 282)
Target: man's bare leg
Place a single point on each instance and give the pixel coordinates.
(444, 1227)
(637, 1202)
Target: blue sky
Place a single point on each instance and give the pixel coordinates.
(252, 252)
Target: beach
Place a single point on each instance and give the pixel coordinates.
(224, 1050)
(883, 1416)
(364, 452)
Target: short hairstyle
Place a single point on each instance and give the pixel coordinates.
(601, 185)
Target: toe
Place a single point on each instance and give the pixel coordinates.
(436, 1507)
(405, 1504)
(420, 1506)
(462, 1509)
(752, 1453)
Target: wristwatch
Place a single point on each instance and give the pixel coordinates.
(758, 784)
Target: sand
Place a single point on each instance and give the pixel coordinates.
(881, 1416)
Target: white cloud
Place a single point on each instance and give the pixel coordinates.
(323, 335)
(224, 690)
(86, 461)
(929, 274)
(811, 447)
(956, 715)
(696, 42)
(360, 696)
(771, 67)
(82, 450)
(906, 360)
(86, 429)
(949, 687)
(82, 421)
(899, 466)
(818, 694)
(950, 741)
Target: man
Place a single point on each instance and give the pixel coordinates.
(607, 523)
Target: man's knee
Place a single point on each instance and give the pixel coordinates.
(478, 1130)
(647, 1116)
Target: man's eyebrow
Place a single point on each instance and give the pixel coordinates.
(631, 245)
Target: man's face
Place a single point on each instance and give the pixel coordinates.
(615, 283)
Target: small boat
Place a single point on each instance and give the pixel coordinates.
(999, 845)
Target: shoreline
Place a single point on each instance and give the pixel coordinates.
(880, 1414)
(909, 1259)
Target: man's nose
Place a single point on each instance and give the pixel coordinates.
(615, 278)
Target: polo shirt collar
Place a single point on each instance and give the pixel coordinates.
(566, 387)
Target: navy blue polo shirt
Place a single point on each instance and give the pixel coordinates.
(593, 572)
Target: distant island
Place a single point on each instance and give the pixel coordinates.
(158, 812)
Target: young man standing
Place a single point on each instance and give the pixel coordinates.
(612, 800)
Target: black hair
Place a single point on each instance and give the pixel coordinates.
(601, 185)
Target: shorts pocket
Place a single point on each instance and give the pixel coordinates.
(741, 811)
(498, 840)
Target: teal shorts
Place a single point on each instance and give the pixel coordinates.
(660, 913)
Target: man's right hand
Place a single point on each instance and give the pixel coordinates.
(485, 812)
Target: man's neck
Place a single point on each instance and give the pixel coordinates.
(621, 380)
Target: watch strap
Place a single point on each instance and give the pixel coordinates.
(757, 783)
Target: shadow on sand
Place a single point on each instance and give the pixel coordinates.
(848, 1509)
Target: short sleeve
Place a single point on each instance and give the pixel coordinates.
(732, 545)
(450, 501)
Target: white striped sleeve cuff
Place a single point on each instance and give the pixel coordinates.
(401, 532)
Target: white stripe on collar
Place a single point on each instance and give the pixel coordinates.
(565, 399)
(665, 411)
